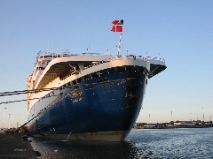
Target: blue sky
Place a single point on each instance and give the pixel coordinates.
(178, 30)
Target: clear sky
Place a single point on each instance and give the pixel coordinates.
(181, 31)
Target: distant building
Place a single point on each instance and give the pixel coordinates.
(208, 123)
(2, 130)
(199, 123)
(185, 123)
(150, 126)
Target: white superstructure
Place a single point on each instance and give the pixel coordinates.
(53, 70)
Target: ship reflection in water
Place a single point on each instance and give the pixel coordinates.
(158, 143)
(84, 150)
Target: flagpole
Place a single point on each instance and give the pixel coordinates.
(118, 27)
(119, 45)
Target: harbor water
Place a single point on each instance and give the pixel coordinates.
(196, 143)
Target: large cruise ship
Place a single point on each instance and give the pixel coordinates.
(87, 96)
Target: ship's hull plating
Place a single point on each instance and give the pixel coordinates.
(98, 107)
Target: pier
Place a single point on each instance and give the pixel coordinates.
(16, 146)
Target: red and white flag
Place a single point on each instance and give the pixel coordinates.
(117, 25)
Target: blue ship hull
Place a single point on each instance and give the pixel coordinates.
(104, 103)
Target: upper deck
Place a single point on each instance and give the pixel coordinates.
(50, 66)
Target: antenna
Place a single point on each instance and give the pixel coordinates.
(149, 117)
(127, 51)
(159, 55)
(107, 51)
(9, 115)
(146, 54)
(203, 116)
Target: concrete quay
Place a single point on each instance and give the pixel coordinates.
(15, 146)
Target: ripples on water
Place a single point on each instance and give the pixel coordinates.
(164, 143)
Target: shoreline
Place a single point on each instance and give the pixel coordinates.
(173, 125)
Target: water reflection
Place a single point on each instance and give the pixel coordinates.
(83, 150)
(152, 144)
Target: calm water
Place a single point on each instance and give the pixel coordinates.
(168, 143)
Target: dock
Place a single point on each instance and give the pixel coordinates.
(16, 146)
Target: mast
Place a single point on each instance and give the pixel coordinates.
(118, 27)
(119, 45)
